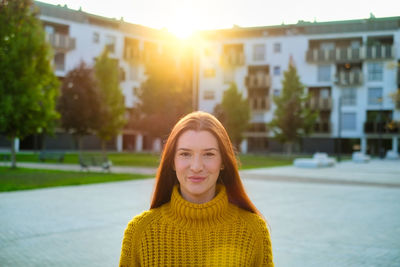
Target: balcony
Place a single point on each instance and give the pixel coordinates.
(132, 54)
(349, 78)
(349, 54)
(381, 127)
(322, 127)
(232, 59)
(340, 54)
(258, 81)
(61, 42)
(316, 103)
(379, 52)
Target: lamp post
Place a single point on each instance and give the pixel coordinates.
(339, 129)
(380, 126)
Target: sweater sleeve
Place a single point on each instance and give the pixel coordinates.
(264, 251)
(131, 241)
(128, 252)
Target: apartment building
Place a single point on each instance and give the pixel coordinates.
(350, 68)
(79, 36)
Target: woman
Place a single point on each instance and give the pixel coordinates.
(200, 213)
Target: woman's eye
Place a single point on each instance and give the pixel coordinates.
(209, 154)
(184, 154)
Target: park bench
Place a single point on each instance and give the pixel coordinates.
(360, 157)
(51, 155)
(318, 160)
(87, 161)
(5, 158)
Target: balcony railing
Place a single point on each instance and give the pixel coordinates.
(233, 59)
(317, 103)
(61, 42)
(349, 54)
(132, 54)
(349, 78)
(380, 52)
(254, 81)
(322, 127)
(381, 128)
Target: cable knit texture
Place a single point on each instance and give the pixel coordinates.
(181, 233)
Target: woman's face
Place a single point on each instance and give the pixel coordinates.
(197, 164)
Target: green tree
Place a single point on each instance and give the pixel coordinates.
(164, 97)
(292, 119)
(28, 86)
(234, 113)
(112, 100)
(79, 103)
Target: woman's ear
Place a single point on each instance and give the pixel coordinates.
(222, 167)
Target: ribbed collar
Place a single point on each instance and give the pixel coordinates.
(188, 214)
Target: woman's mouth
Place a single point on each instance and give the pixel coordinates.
(196, 179)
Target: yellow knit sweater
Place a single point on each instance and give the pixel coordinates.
(181, 233)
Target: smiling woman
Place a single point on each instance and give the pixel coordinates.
(200, 213)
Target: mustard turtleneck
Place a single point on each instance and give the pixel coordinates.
(181, 233)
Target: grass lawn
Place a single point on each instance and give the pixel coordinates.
(261, 161)
(21, 178)
(118, 159)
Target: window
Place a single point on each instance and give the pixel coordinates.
(259, 52)
(59, 61)
(327, 46)
(324, 93)
(375, 71)
(324, 73)
(349, 97)
(110, 43)
(208, 95)
(209, 73)
(133, 72)
(374, 96)
(96, 37)
(277, 47)
(49, 29)
(228, 76)
(348, 121)
(277, 70)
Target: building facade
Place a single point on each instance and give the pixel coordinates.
(350, 68)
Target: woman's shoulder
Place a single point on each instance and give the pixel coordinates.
(143, 219)
(253, 220)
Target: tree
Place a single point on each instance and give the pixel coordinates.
(79, 103)
(112, 100)
(164, 97)
(28, 86)
(234, 113)
(292, 119)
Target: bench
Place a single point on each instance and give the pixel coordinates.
(360, 157)
(318, 160)
(87, 161)
(391, 154)
(51, 155)
(5, 158)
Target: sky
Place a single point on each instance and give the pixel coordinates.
(182, 17)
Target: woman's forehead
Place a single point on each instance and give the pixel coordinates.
(197, 139)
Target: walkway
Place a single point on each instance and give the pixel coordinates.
(313, 224)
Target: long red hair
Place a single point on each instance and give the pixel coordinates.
(229, 176)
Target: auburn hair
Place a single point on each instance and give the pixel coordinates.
(229, 176)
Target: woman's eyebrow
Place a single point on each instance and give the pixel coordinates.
(206, 149)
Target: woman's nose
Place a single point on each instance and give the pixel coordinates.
(196, 164)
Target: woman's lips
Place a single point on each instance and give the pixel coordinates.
(197, 179)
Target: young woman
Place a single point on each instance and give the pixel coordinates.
(200, 213)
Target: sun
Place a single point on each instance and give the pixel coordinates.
(183, 24)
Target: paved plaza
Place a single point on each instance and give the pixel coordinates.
(348, 215)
